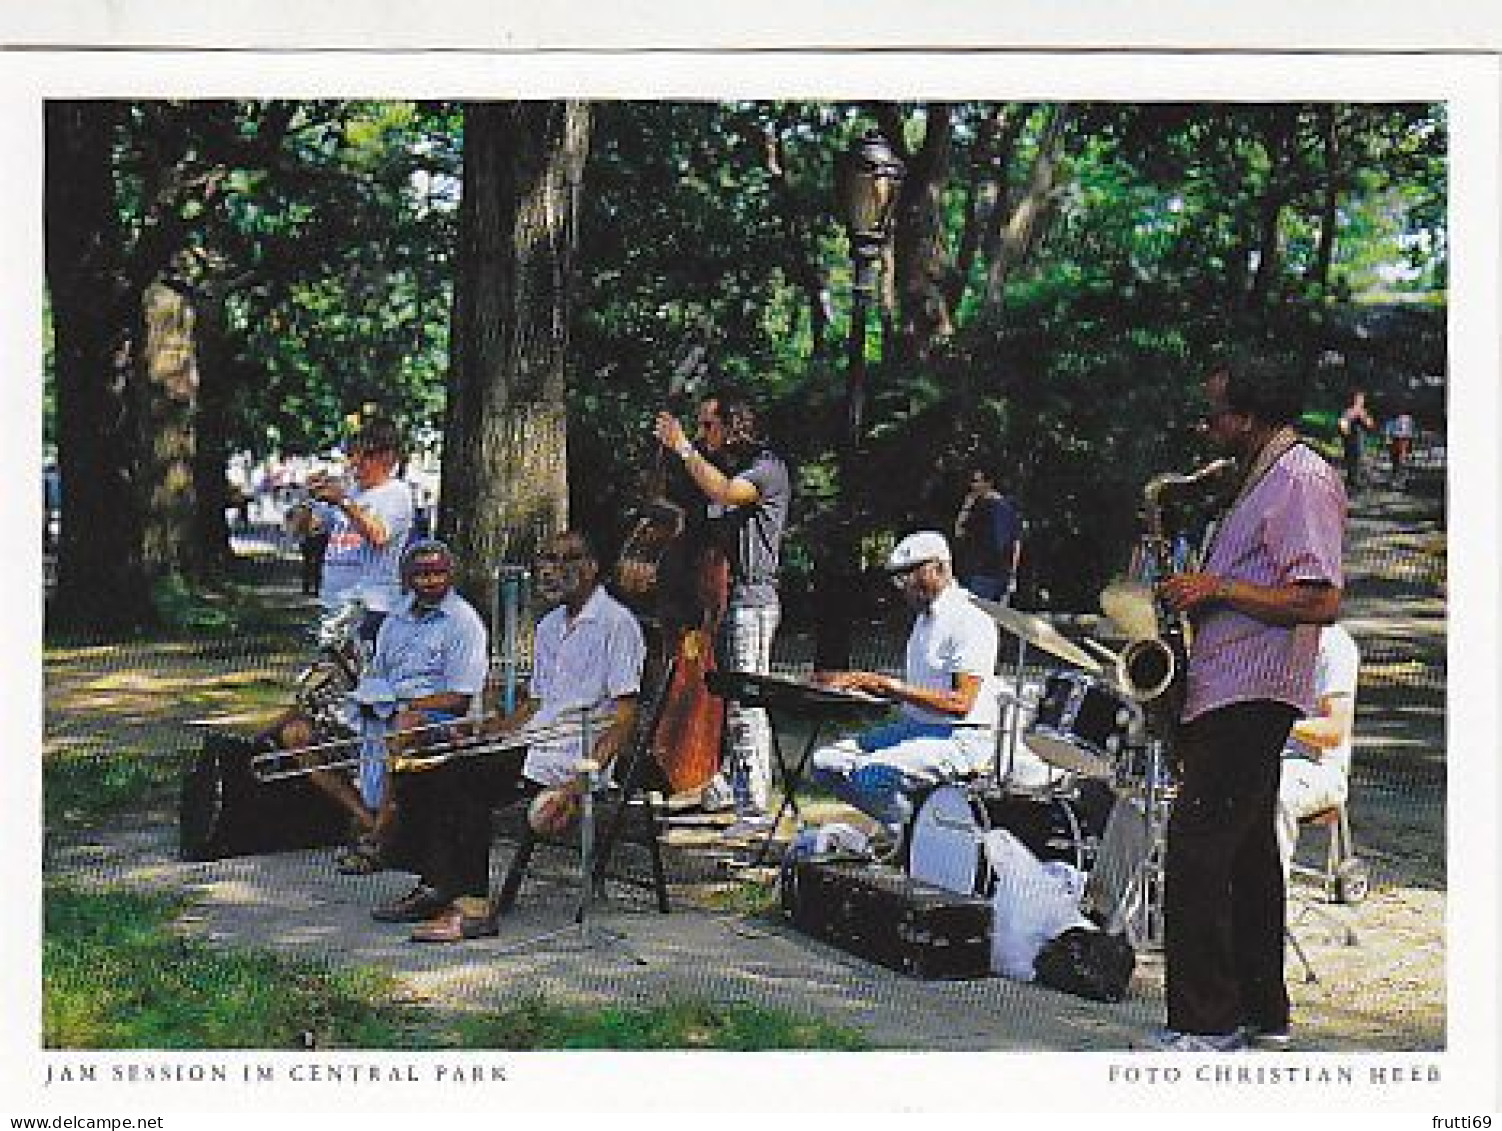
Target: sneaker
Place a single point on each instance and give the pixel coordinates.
(1267, 1040)
(1170, 1040)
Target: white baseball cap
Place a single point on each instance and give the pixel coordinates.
(919, 547)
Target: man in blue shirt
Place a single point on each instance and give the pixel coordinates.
(429, 668)
(988, 539)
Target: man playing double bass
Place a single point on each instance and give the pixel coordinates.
(747, 490)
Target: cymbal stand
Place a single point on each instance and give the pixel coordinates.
(1014, 711)
(1139, 909)
(582, 926)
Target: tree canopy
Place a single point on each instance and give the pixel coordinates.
(1058, 279)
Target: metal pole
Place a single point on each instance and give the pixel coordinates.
(510, 595)
(839, 573)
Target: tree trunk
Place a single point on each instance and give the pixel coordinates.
(505, 480)
(1279, 142)
(986, 198)
(170, 367)
(1023, 225)
(211, 450)
(1324, 255)
(919, 251)
(102, 581)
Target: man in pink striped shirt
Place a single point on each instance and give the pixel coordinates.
(1271, 578)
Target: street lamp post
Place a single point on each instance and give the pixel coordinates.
(868, 179)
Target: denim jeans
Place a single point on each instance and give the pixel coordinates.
(879, 771)
(746, 645)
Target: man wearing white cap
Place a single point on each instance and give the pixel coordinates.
(948, 695)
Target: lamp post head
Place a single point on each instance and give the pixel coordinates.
(868, 180)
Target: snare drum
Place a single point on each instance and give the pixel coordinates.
(946, 841)
(1083, 724)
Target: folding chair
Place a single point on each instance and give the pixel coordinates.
(1343, 879)
(636, 813)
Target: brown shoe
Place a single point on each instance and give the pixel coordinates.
(453, 925)
(421, 903)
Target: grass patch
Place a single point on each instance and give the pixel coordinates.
(747, 897)
(116, 976)
(84, 788)
(736, 1027)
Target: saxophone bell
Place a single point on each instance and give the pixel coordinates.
(1147, 668)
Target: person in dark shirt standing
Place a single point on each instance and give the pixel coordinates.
(1272, 576)
(988, 533)
(1355, 424)
(747, 491)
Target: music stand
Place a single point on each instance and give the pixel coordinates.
(581, 925)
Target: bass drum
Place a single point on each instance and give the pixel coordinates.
(946, 841)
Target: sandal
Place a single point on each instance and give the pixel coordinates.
(363, 858)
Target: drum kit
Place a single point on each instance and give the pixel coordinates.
(1105, 804)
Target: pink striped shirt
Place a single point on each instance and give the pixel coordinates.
(1286, 529)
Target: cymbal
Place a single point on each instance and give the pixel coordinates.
(1037, 632)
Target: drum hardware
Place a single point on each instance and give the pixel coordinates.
(1126, 886)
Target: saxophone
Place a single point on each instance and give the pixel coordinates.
(1153, 667)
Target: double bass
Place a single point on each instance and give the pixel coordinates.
(674, 576)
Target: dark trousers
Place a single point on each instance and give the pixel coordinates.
(1223, 898)
(446, 812)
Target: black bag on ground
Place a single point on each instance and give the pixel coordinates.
(224, 811)
(883, 916)
(1086, 962)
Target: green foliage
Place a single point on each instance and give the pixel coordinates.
(328, 229)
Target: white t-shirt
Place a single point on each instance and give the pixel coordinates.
(590, 662)
(353, 567)
(953, 636)
(1336, 670)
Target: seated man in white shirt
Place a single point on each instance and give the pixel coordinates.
(587, 662)
(948, 697)
(1317, 757)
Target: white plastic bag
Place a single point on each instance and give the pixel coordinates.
(1032, 904)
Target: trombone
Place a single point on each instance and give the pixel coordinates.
(461, 738)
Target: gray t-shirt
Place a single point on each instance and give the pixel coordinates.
(752, 535)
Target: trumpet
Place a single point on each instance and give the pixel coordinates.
(459, 739)
(1151, 667)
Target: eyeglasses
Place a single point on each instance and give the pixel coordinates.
(560, 559)
(899, 577)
